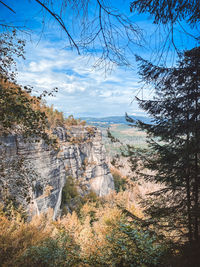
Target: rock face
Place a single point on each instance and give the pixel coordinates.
(34, 174)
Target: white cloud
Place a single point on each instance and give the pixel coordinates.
(81, 90)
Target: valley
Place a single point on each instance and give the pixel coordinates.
(81, 184)
(121, 130)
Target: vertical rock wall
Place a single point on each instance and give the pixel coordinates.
(34, 174)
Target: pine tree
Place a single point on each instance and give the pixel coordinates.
(174, 143)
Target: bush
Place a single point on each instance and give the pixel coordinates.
(119, 182)
(71, 121)
(69, 191)
(72, 200)
(16, 236)
(132, 246)
(60, 251)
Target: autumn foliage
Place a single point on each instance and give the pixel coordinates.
(102, 235)
(28, 115)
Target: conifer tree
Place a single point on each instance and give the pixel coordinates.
(174, 142)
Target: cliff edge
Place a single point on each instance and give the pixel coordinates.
(33, 174)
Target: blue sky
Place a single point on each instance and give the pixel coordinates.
(83, 91)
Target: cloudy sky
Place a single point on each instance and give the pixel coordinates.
(83, 91)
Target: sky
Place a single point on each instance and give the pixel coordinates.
(82, 90)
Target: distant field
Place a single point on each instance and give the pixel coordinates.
(126, 134)
(129, 135)
(119, 128)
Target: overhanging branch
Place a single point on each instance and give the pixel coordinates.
(60, 21)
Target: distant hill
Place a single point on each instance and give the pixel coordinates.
(106, 121)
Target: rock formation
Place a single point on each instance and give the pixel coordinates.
(33, 174)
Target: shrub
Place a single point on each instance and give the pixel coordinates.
(16, 236)
(69, 191)
(58, 251)
(130, 245)
(119, 182)
(71, 121)
(72, 200)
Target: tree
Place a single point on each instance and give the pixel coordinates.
(10, 46)
(175, 16)
(174, 143)
(102, 31)
(17, 106)
(166, 11)
(20, 112)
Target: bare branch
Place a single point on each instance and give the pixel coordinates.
(104, 33)
(96, 29)
(7, 6)
(60, 21)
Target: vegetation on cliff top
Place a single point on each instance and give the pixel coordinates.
(28, 113)
(21, 111)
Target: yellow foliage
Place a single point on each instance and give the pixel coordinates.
(89, 232)
(16, 236)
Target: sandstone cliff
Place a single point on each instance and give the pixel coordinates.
(34, 174)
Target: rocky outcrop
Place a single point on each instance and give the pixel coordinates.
(34, 174)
